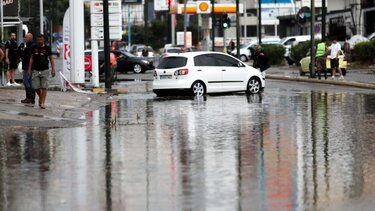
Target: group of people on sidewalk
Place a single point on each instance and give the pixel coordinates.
(35, 60)
(322, 50)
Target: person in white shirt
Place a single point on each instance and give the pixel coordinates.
(334, 54)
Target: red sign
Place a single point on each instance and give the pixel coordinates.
(88, 63)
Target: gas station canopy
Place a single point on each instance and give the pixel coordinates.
(204, 7)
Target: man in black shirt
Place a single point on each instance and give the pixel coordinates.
(24, 53)
(11, 59)
(41, 55)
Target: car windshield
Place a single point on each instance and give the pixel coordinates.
(172, 62)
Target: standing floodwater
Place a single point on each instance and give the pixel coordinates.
(289, 149)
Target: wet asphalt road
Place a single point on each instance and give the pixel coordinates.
(297, 146)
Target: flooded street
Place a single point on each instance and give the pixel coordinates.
(296, 147)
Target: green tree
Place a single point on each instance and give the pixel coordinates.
(54, 10)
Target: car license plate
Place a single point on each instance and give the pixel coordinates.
(165, 76)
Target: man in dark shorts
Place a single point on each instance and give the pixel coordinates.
(11, 59)
(335, 49)
(41, 55)
(24, 53)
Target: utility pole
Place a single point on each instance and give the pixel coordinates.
(41, 16)
(259, 22)
(238, 27)
(108, 73)
(145, 33)
(312, 48)
(324, 13)
(213, 24)
(185, 20)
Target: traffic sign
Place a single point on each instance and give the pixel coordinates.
(115, 33)
(88, 62)
(98, 19)
(113, 7)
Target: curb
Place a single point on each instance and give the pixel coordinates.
(331, 82)
(115, 91)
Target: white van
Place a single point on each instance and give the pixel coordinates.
(245, 53)
(288, 42)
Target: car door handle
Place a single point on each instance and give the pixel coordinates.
(199, 70)
(224, 70)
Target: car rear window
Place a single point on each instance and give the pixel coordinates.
(172, 62)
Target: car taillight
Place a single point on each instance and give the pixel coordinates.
(181, 72)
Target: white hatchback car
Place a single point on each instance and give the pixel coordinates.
(200, 73)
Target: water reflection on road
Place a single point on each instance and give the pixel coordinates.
(286, 150)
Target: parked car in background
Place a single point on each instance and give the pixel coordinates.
(140, 49)
(245, 53)
(357, 39)
(305, 64)
(125, 62)
(288, 42)
(200, 73)
(371, 36)
(171, 49)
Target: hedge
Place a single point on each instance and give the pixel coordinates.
(274, 52)
(365, 52)
(300, 50)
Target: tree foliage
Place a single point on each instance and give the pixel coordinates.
(54, 10)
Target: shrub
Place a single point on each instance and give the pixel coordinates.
(365, 52)
(302, 49)
(274, 52)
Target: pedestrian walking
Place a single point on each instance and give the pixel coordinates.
(41, 56)
(231, 46)
(321, 59)
(11, 59)
(260, 60)
(334, 50)
(24, 53)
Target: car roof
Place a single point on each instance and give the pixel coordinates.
(196, 53)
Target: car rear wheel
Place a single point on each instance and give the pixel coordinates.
(253, 86)
(243, 58)
(137, 68)
(198, 88)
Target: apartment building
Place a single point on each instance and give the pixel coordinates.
(279, 18)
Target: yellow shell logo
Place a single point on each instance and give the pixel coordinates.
(203, 6)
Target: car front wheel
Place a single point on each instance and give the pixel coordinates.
(137, 68)
(198, 88)
(253, 86)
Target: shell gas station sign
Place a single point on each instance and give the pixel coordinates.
(204, 7)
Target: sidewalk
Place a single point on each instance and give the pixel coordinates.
(360, 78)
(64, 109)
